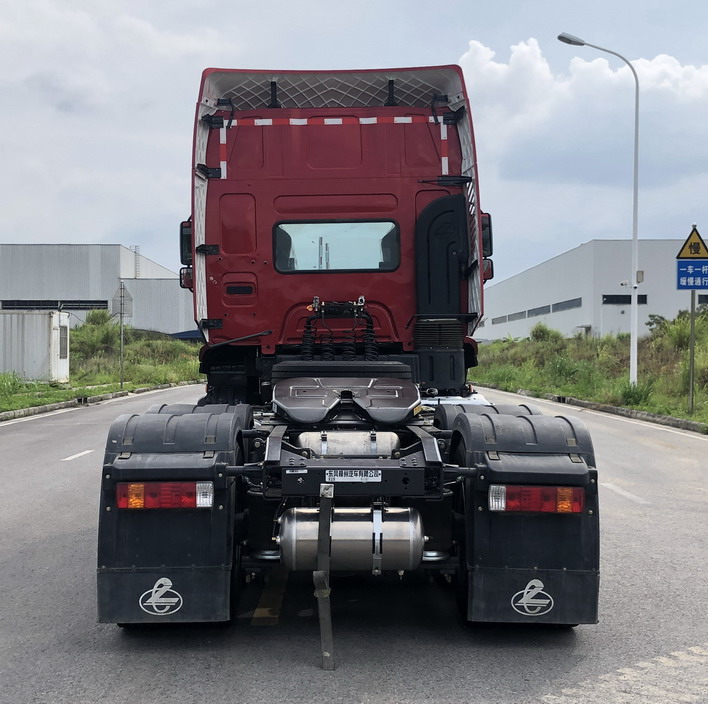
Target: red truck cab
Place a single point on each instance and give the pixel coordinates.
(354, 188)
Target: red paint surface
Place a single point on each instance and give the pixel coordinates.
(318, 171)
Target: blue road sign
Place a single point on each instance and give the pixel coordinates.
(691, 274)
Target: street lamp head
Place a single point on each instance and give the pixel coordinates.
(571, 39)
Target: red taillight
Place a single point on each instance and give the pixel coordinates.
(165, 495)
(536, 499)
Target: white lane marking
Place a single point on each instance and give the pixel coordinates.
(37, 415)
(643, 423)
(622, 492)
(78, 454)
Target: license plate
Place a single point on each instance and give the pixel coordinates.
(353, 475)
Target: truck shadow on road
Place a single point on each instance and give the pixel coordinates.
(372, 617)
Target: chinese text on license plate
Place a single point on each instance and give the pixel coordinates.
(353, 475)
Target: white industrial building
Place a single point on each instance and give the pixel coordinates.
(585, 290)
(76, 278)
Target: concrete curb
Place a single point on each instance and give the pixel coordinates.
(85, 401)
(671, 421)
(682, 423)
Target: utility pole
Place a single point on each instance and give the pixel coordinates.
(122, 337)
(637, 276)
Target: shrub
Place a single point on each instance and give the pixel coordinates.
(505, 376)
(656, 323)
(589, 380)
(97, 317)
(595, 369)
(10, 384)
(700, 370)
(542, 333)
(636, 394)
(678, 333)
(562, 370)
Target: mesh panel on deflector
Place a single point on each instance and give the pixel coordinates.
(312, 90)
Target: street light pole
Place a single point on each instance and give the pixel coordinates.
(122, 329)
(634, 282)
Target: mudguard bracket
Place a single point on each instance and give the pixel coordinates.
(320, 576)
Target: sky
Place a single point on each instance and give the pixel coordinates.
(98, 104)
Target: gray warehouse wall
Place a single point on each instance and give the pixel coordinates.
(587, 283)
(160, 304)
(133, 266)
(74, 272)
(81, 277)
(557, 292)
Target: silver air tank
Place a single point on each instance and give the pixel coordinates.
(373, 539)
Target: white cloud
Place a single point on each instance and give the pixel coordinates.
(512, 97)
(137, 34)
(555, 150)
(579, 126)
(99, 137)
(99, 96)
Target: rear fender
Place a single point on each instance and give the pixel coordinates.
(165, 565)
(530, 567)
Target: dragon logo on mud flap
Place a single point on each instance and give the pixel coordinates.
(161, 600)
(532, 600)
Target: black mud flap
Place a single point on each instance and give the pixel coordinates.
(528, 596)
(163, 596)
(158, 565)
(526, 567)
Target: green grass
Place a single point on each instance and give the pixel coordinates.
(38, 394)
(597, 369)
(150, 359)
(594, 369)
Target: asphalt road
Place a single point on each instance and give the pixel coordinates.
(395, 641)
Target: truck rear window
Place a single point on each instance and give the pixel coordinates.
(336, 246)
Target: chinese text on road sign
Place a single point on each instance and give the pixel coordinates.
(691, 273)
